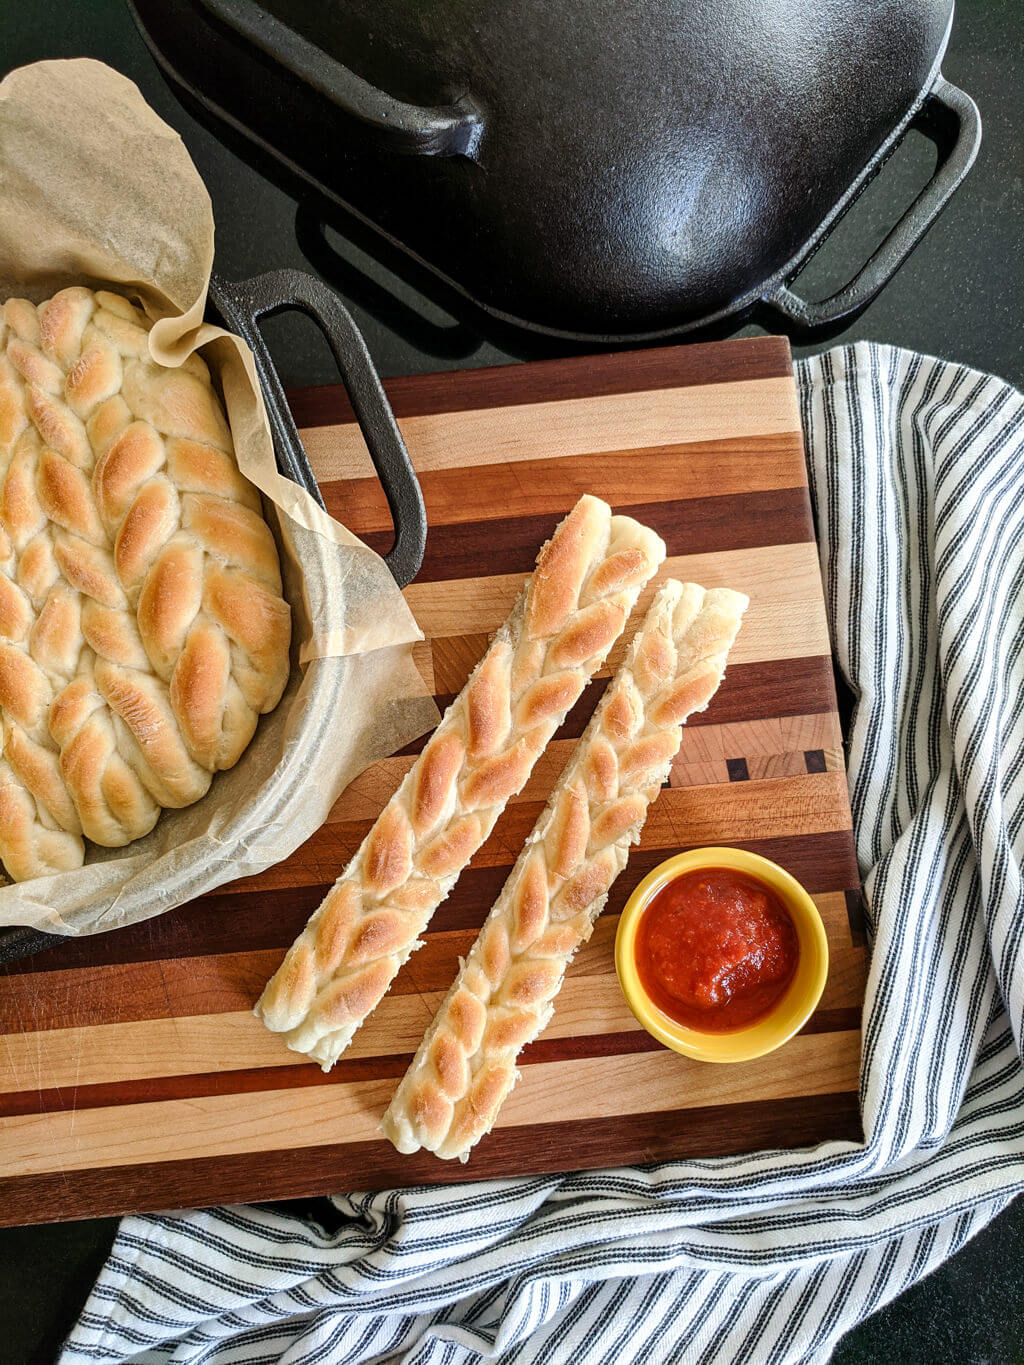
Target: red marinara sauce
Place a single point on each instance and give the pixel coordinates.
(716, 949)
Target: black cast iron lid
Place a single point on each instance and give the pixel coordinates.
(599, 167)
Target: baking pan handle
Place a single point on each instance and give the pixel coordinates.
(241, 306)
(387, 124)
(954, 116)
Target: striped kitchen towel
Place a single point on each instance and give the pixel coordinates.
(918, 477)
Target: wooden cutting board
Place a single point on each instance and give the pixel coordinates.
(132, 1073)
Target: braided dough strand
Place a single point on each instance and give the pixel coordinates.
(571, 611)
(503, 995)
(142, 627)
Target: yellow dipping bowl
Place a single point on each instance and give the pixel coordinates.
(789, 1014)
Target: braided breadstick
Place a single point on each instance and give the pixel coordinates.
(503, 995)
(572, 609)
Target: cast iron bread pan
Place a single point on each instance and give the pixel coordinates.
(239, 307)
(602, 170)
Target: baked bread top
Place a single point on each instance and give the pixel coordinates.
(142, 627)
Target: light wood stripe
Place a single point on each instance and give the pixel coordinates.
(238, 1041)
(545, 381)
(785, 736)
(785, 619)
(583, 1088)
(572, 426)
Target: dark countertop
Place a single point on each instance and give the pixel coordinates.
(959, 296)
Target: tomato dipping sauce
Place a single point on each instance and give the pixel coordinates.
(716, 949)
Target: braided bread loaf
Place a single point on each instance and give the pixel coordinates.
(572, 609)
(142, 628)
(503, 995)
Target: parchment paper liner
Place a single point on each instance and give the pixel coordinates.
(95, 189)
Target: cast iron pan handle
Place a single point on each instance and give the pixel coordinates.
(241, 306)
(953, 114)
(388, 124)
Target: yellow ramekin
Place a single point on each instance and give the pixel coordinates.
(791, 1012)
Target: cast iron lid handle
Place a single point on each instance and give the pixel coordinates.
(241, 305)
(389, 124)
(954, 116)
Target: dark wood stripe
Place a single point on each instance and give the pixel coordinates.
(856, 916)
(225, 923)
(123, 992)
(820, 862)
(84, 997)
(256, 1080)
(771, 689)
(479, 549)
(718, 1130)
(755, 691)
(160, 1089)
(218, 923)
(546, 381)
(834, 1021)
(527, 488)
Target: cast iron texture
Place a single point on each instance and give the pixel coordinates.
(599, 169)
(239, 306)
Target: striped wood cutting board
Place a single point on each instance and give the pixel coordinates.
(134, 1075)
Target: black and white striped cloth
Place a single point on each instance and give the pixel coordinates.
(918, 476)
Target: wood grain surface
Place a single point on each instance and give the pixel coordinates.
(133, 1073)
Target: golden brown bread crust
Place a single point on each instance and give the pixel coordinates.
(572, 609)
(142, 627)
(504, 992)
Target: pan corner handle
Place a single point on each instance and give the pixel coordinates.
(241, 305)
(952, 115)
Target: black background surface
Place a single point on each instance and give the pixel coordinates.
(959, 297)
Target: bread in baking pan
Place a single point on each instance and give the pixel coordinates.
(503, 994)
(142, 627)
(571, 611)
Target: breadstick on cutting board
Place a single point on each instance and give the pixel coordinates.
(571, 611)
(503, 995)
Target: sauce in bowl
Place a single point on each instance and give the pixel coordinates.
(716, 949)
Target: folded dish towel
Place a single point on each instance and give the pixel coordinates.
(918, 477)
